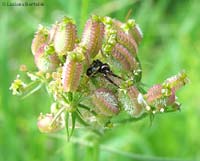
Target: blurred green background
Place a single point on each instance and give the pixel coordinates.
(171, 43)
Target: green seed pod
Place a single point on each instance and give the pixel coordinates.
(72, 71)
(65, 36)
(105, 102)
(93, 35)
(45, 61)
(132, 101)
(40, 38)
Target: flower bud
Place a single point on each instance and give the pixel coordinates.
(93, 35)
(106, 102)
(131, 101)
(45, 123)
(65, 36)
(39, 39)
(17, 86)
(46, 61)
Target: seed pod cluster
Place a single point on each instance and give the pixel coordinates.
(114, 78)
(160, 97)
(120, 45)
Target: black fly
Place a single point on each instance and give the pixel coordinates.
(98, 67)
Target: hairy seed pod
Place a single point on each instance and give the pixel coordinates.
(40, 38)
(132, 101)
(71, 75)
(93, 35)
(45, 121)
(52, 32)
(124, 57)
(65, 36)
(177, 81)
(106, 102)
(155, 92)
(46, 62)
(134, 30)
(160, 97)
(124, 37)
(128, 42)
(133, 94)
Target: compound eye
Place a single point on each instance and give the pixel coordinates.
(105, 68)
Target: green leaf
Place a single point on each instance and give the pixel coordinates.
(67, 125)
(80, 119)
(69, 96)
(73, 116)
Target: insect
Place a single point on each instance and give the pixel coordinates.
(99, 67)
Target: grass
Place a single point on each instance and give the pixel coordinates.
(171, 43)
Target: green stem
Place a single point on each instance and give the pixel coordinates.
(80, 120)
(109, 149)
(87, 108)
(58, 114)
(132, 119)
(31, 88)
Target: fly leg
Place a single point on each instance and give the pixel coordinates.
(107, 78)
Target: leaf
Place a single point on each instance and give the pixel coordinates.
(80, 119)
(73, 116)
(67, 125)
(151, 117)
(70, 96)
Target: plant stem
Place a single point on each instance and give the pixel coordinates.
(87, 108)
(58, 114)
(102, 147)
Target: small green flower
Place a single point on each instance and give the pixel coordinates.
(17, 86)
